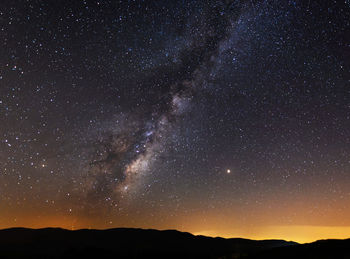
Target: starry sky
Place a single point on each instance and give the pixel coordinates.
(223, 117)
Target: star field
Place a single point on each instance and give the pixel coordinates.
(216, 117)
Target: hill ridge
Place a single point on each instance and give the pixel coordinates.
(55, 242)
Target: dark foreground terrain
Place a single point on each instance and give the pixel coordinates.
(139, 243)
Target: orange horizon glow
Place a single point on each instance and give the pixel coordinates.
(298, 233)
(303, 218)
(271, 220)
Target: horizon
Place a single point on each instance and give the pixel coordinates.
(300, 237)
(224, 117)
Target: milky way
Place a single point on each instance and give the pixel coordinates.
(128, 152)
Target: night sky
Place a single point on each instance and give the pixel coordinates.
(227, 118)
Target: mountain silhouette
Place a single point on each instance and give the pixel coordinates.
(322, 249)
(142, 243)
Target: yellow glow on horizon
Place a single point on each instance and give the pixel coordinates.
(300, 234)
(209, 223)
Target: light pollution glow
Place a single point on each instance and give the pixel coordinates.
(213, 223)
